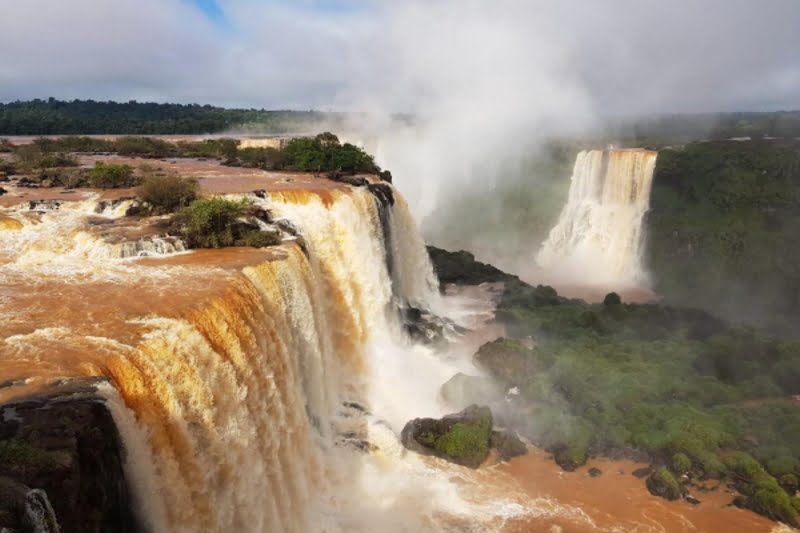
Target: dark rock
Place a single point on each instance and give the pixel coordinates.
(44, 205)
(28, 183)
(642, 472)
(691, 499)
(3, 191)
(595, 472)
(260, 193)
(462, 390)
(461, 268)
(385, 175)
(356, 181)
(351, 439)
(569, 457)
(424, 327)
(663, 484)
(383, 192)
(507, 444)
(462, 438)
(61, 448)
(509, 360)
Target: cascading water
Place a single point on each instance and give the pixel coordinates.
(598, 236)
(251, 409)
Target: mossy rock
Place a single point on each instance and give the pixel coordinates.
(507, 444)
(681, 464)
(462, 390)
(571, 456)
(506, 359)
(462, 438)
(663, 484)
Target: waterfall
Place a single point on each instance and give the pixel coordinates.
(39, 515)
(598, 236)
(273, 401)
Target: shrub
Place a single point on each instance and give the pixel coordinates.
(218, 222)
(467, 443)
(30, 156)
(210, 222)
(111, 176)
(166, 194)
(144, 147)
(325, 153)
(263, 158)
(681, 464)
(663, 483)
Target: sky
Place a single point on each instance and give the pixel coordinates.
(574, 57)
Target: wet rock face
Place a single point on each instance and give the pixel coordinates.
(61, 449)
(662, 483)
(461, 268)
(462, 438)
(508, 360)
(507, 444)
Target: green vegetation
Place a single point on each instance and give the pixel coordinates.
(663, 483)
(111, 176)
(19, 457)
(470, 443)
(87, 117)
(325, 153)
(218, 222)
(166, 194)
(724, 230)
(677, 385)
(681, 464)
(465, 442)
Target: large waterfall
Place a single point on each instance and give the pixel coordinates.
(598, 238)
(254, 391)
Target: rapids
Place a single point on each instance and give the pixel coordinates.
(255, 390)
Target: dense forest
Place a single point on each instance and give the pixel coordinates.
(50, 117)
(724, 229)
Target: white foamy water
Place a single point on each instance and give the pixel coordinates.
(598, 238)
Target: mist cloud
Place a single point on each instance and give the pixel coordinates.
(483, 78)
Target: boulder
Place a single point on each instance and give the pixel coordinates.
(595, 472)
(461, 268)
(424, 327)
(663, 484)
(509, 360)
(61, 455)
(507, 444)
(462, 390)
(462, 438)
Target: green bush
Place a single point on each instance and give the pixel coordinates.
(681, 464)
(112, 176)
(218, 222)
(30, 157)
(467, 443)
(325, 153)
(263, 158)
(210, 222)
(166, 194)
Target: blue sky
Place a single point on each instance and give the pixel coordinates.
(212, 9)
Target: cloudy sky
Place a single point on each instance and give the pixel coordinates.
(621, 56)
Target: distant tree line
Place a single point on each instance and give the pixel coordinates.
(54, 117)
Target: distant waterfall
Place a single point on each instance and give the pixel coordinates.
(598, 238)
